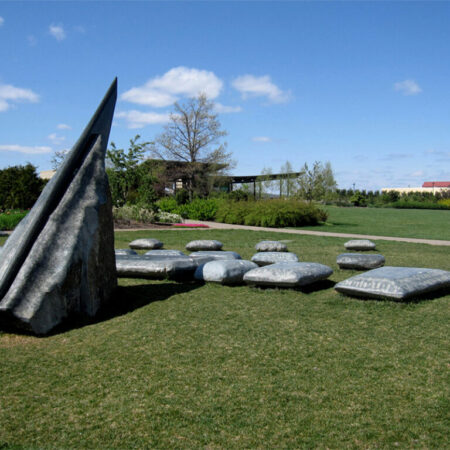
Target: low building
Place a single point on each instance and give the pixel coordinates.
(431, 187)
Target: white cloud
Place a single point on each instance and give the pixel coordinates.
(417, 173)
(2, 21)
(63, 126)
(408, 87)
(10, 94)
(25, 149)
(179, 81)
(219, 108)
(251, 86)
(56, 139)
(139, 119)
(57, 31)
(261, 139)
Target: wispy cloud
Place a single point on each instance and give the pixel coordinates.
(261, 139)
(219, 108)
(139, 119)
(25, 149)
(63, 126)
(252, 86)
(390, 156)
(178, 82)
(57, 31)
(10, 95)
(2, 21)
(408, 87)
(417, 174)
(55, 139)
(79, 29)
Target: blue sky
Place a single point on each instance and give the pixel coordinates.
(364, 85)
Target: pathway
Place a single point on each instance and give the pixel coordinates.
(226, 226)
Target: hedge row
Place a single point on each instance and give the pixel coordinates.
(10, 219)
(270, 213)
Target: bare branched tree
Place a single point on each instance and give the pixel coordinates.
(193, 135)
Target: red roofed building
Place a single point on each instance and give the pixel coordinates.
(436, 184)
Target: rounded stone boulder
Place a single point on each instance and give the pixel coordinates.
(224, 272)
(360, 244)
(359, 262)
(266, 258)
(124, 252)
(270, 246)
(216, 255)
(146, 244)
(160, 252)
(204, 244)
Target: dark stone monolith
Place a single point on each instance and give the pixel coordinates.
(60, 262)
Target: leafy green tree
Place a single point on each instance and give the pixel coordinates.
(20, 186)
(129, 182)
(287, 182)
(316, 182)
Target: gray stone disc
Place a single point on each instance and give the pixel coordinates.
(359, 262)
(266, 258)
(146, 244)
(270, 246)
(204, 244)
(360, 244)
(225, 272)
(288, 274)
(396, 283)
(124, 251)
(216, 255)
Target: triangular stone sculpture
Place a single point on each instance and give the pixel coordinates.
(59, 261)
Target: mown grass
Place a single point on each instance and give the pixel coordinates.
(426, 224)
(189, 365)
(10, 219)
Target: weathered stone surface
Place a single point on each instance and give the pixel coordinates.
(224, 272)
(59, 261)
(396, 283)
(146, 244)
(204, 244)
(359, 262)
(124, 252)
(360, 244)
(172, 253)
(266, 258)
(156, 268)
(216, 255)
(270, 246)
(287, 274)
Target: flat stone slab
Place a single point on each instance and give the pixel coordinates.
(360, 262)
(204, 244)
(288, 274)
(270, 246)
(156, 268)
(216, 255)
(3, 233)
(396, 283)
(146, 244)
(225, 272)
(266, 258)
(175, 253)
(124, 252)
(360, 244)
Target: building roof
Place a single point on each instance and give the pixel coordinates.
(437, 184)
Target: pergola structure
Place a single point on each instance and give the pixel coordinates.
(240, 179)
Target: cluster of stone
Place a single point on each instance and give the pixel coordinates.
(146, 244)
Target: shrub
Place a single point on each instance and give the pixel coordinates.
(134, 212)
(166, 217)
(168, 204)
(271, 213)
(198, 209)
(10, 219)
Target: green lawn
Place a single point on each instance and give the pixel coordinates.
(190, 365)
(417, 223)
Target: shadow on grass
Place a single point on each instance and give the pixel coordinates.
(125, 300)
(421, 298)
(309, 289)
